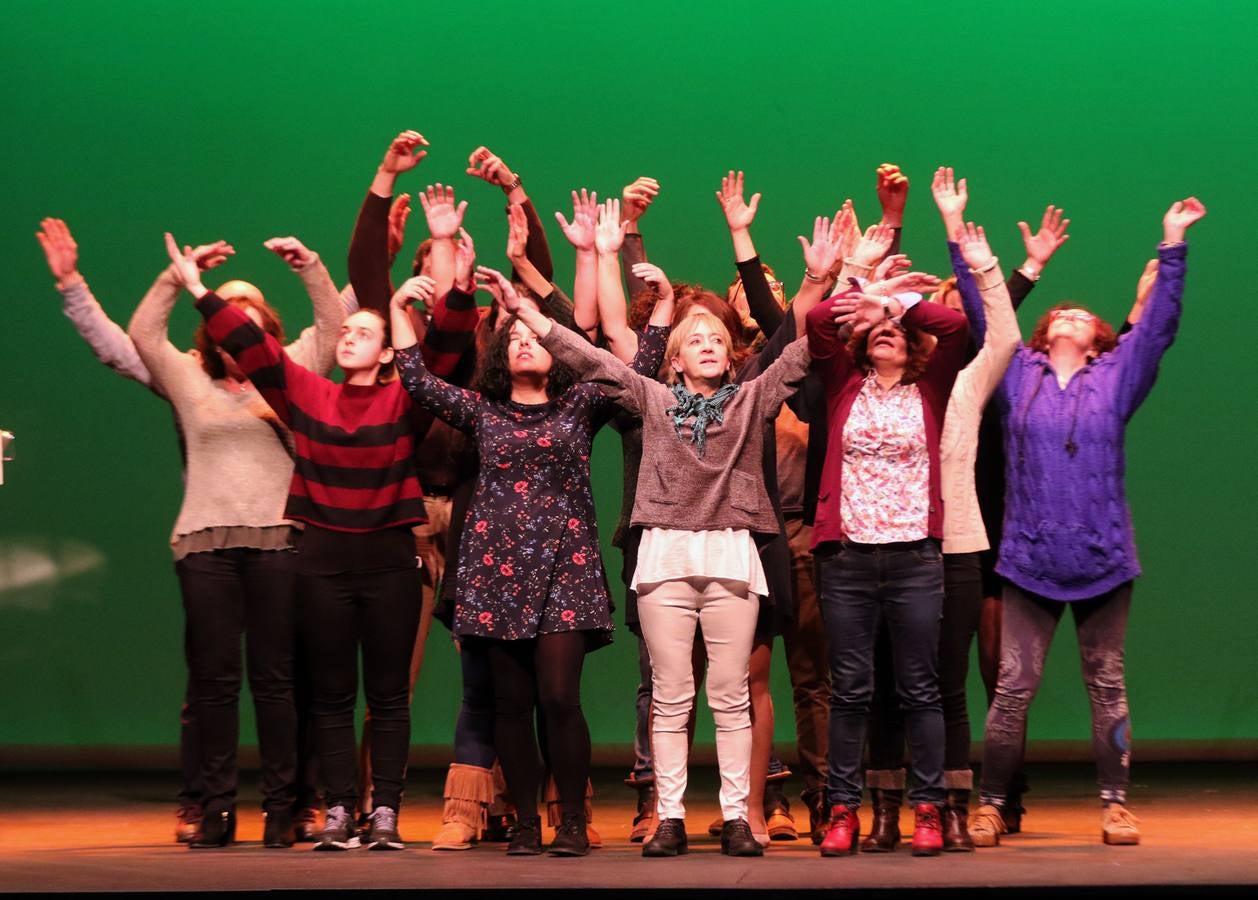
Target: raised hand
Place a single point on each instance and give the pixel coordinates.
(292, 251)
(1180, 217)
(1041, 245)
(654, 276)
(464, 262)
(638, 196)
(859, 311)
(874, 245)
(404, 153)
(610, 231)
(183, 264)
(419, 289)
(893, 193)
(60, 249)
(738, 213)
(950, 196)
(211, 256)
(850, 231)
(820, 255)
(580, 231)
(399, 212)
(444, 218)
(502, 289)
(894, 265)
(517, 232)
(974, 247)
(1145, 283)
(488, 166)
(909, 282)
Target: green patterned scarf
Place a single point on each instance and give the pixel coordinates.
(704, 409)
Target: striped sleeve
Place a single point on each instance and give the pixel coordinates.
(449, 333)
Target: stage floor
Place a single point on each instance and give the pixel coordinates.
(101, 831)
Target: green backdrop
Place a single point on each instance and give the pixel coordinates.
(244, 120)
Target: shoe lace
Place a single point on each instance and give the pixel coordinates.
(670, 828)
(572, 824)
(383, 818)
(1120, 815)
(739, 829)
(338, 817)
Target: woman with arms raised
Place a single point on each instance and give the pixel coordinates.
(530, 587)
(1067, 541)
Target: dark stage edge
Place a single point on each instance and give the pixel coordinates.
(89, 832)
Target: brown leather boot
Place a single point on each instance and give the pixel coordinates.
(645, 821)
(956, 830)
(884, 831)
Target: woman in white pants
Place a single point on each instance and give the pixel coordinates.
(701, 464)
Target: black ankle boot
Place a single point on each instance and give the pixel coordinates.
(884, 831)
(570, 837)
(527, 840)
(217, 829)
(818, 815)
(737, 839)
(956, 823)
(278, 831)
(669, 839)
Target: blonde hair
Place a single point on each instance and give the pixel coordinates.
(683, 329)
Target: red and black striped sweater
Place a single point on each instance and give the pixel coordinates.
(354, 469)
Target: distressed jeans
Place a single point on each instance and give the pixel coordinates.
(1026, 632)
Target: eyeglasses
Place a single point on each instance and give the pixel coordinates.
(775, 286)
(1075, 315)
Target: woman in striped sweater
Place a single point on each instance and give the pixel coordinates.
(354, 486)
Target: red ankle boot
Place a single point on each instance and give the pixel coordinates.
(844, 834)
(927, 830)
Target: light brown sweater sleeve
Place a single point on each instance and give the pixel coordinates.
(783, 378)
(615, 379)
(315, 348)
(174, 372)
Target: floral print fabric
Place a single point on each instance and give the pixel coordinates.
(886, 466)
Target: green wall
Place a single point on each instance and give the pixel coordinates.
(245, 120)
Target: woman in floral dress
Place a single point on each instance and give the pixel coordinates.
(530, 582)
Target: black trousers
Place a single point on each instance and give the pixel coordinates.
(379, 612)
(227, 594)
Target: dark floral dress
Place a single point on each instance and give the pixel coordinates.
(529, 561)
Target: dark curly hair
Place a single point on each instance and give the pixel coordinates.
(493, 376)
(1104, 341)
(920, 346)
(211, 362)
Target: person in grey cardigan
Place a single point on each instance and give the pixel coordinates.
(702, 446)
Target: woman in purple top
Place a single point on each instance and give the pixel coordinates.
(1066, 400)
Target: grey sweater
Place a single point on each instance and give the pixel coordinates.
(676, 487)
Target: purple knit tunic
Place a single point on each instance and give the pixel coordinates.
(1067, 528)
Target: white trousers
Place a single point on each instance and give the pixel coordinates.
(669, 612)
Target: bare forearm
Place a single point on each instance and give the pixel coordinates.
(613, 316)
(443, 266)
(585, 291)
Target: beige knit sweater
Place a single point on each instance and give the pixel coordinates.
(238, 465)
(958, 445)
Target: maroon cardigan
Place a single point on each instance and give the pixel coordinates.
(843, 380)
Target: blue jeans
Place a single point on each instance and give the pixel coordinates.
(859, 586)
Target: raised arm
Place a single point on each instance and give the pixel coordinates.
(635, 199)
(892, 186)
(613, 315)
(483, 163)
(1144, 287)
(108, 341)
(1000, 332)
(819, 260)
(453, 404)
(739, 214)
(377, 229)
(148, 327)
(580, 234)
(444, 221)
(1139, 353)
(314, 349)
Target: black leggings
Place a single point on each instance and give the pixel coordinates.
(963, 600)
(227, 594)
(378, 611)
(542, 673)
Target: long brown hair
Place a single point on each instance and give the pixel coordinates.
(211, 362)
